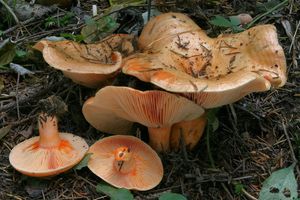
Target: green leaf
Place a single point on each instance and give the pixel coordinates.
(238, 188)
(234, 20)
(172, 196)
(84, 162)
(76, 38)
(99, 29)
(281, 185)
(114, 193)
(220, 21)
(7, 52)
(4, 130)
(21, 53)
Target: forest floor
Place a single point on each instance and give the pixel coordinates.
(256, 136)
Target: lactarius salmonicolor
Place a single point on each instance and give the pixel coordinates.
(126, 162)
(179, 57)
(50, 153)
(188, 132)
(87, 64)
(114, 109)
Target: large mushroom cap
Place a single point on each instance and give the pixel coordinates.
(49, 154)
(90, 64)
(31, 160)
(126, 162)
(212, 72)
(114, 109)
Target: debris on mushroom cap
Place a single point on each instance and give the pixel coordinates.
(114, 109)
(213, 72)
(126, 162)
(162, 29)
(90, 64)
(49, 154)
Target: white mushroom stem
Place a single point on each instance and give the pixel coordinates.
(159, 138)
(48, 130)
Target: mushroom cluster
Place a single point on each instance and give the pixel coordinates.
(188, 72)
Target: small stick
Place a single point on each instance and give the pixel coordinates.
(149, 9)
(291, 147)
(17, 96)
(249, 196)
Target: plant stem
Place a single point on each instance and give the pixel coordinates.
(212, 162)
(266, 13)
(10, 11)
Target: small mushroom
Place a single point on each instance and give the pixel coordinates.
(126, 162)
(50, 153)
(179, 57)
(114, 109)
(87, 64)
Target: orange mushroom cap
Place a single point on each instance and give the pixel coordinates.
(49, 154)
(179, 57)
(114, 109)
(126, 162)
(89, 65)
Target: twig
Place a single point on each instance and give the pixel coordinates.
(249, 196)
(149, 9)
(17, 96)
(294, 37)
(291, 6)
(290, 145)
(10, 11)
(233, 114)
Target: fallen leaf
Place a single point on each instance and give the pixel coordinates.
(84, 162)
(4, 130)
(114, 193)
(20, 69)
(7, 52)
(281, 185)
(95, 30)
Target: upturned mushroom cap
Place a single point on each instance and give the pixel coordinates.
(126, 162)
(211, 72)
(49, 154)
(114, 109)
(90, 64)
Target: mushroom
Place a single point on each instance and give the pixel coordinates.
(126, 162)
(114, 109)
(89, 65)
(179, 57)
(50, 153)
(188, 131)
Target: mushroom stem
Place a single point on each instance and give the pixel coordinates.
(123, 160)
(190, 131)
(159, 138)
(48, 130)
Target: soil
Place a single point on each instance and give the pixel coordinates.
(256, 135)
